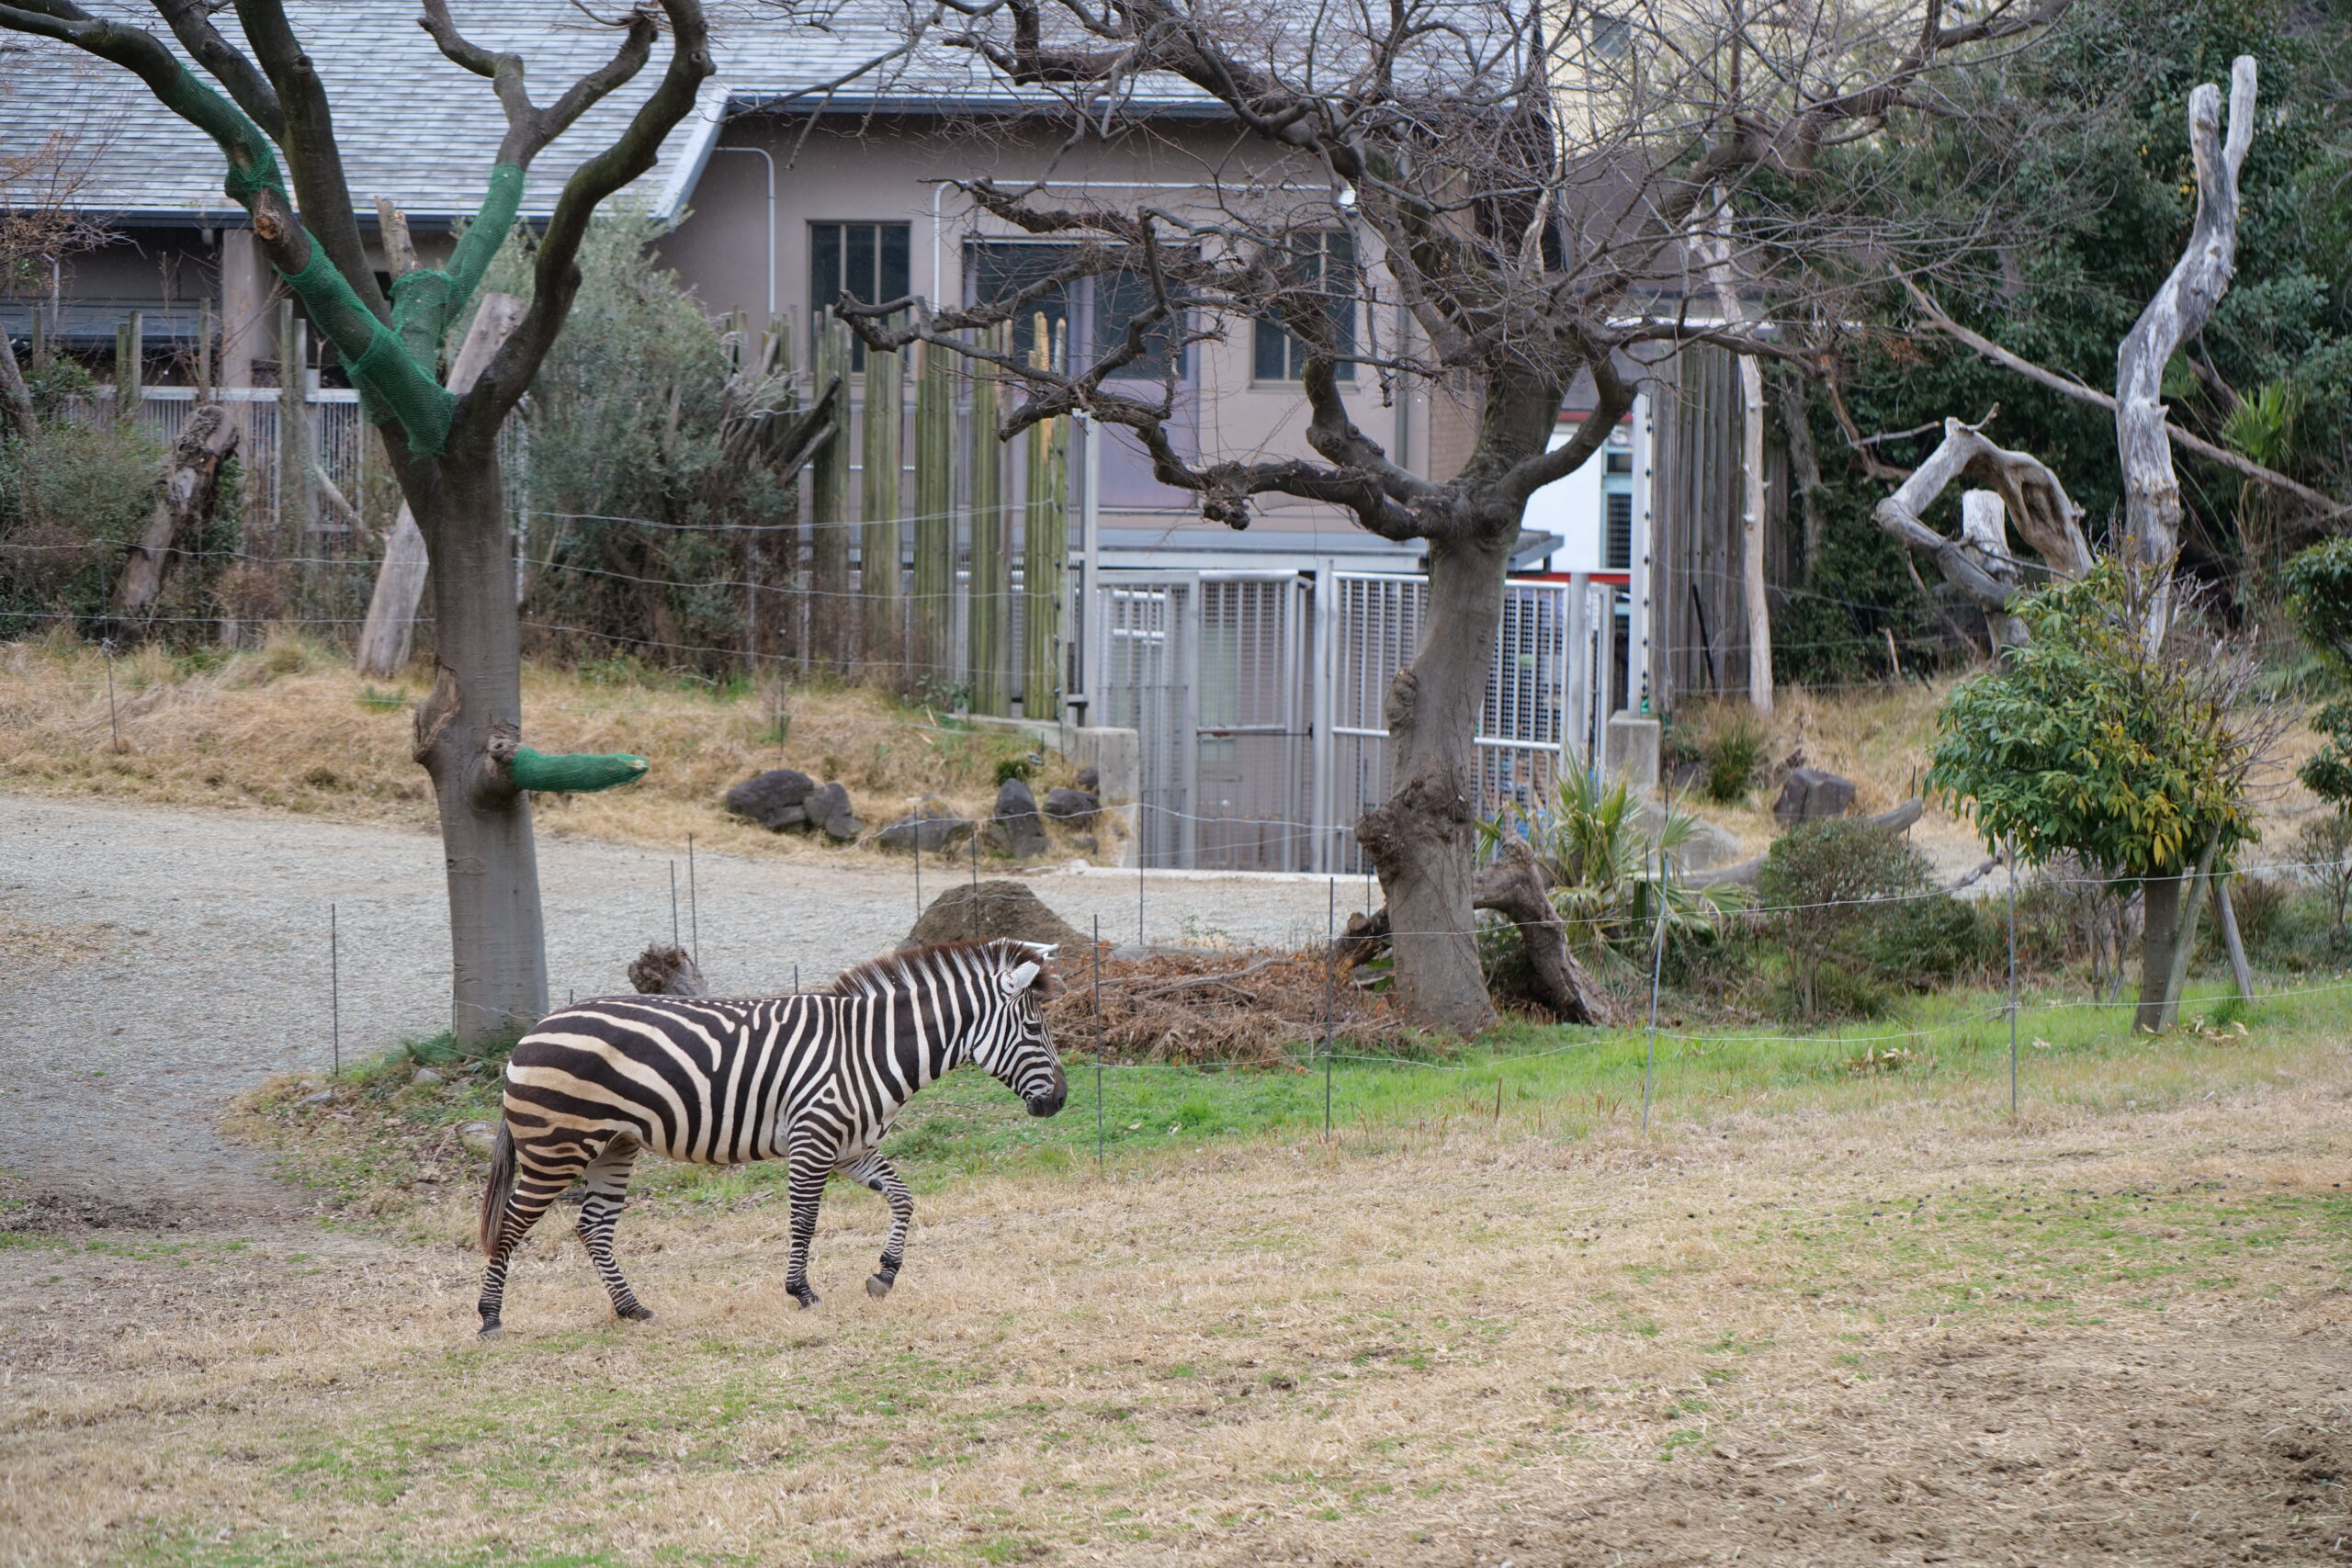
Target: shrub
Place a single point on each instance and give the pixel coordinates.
(2324, 848)
(1830, 891)
(1732, 746)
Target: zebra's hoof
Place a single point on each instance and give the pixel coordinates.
(878, 1287)
(492, 1330)
(637, 1315)
(807, 1300)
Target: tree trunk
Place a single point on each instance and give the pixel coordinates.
(466, 731)
(1422, 837)
(1751, 533)
(1513, 887)
(2178, 312)
(2240, 970)
(386, 637)
(15, 401)
(190, 476)
(2169, 906)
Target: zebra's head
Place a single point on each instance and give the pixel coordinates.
(1009, 1040)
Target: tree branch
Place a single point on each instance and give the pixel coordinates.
(191, 23)
(313, 157)
(529, 128)
(556, 275)
(2325, 505)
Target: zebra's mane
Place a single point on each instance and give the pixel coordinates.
(892, 970)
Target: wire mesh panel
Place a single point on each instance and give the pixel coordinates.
(1144, 688)
(1253, 763)
(1375, 629)
(1523, 719)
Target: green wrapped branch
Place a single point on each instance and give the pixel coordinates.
(582, 772)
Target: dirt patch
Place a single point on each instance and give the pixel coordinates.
(971, 912)
(2223, 1443)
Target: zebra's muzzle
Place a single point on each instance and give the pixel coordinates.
(1049, 1104)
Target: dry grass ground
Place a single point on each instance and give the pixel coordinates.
(290, 728)
(1843, 1319)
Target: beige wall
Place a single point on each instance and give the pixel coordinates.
(890, 172)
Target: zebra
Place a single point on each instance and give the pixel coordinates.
(812, 1078)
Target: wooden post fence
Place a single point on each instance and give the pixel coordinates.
(991, 574)
(1044, 550)
(828, 612)
(879, 509)
(934, 586)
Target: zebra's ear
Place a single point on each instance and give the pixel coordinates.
(1018, 978)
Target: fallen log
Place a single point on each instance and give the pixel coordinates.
(191, 476)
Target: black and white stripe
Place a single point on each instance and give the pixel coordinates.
(812, 1079)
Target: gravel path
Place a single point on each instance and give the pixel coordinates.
(115, 1070)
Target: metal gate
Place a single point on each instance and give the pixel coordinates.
(1543, 710)
(1209, 669)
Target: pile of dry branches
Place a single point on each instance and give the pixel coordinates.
(1258, 1008)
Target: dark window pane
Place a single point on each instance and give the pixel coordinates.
(896, 278)
(1270, 357)
(824, 265)
(1617, 547)
(999, 272)
(1119, 299)
(858, 264)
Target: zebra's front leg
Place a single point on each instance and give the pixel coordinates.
(807, 1185)
(608, 1177)
(878, 1174)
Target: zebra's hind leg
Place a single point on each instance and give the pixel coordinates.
(608, 1179)
(878, 1173)
(523, 1182)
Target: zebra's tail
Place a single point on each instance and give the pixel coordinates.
(500, 1185)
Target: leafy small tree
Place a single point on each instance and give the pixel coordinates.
(2087, 742)
(2319, 597)
(1828, 888)
(2323, 850)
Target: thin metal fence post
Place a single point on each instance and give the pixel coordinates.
(919, 826)
(974, 920)
(2012, 858)
(1139, 811)
(673, 904)
(106, 645)
(694, 904)
(1657, 967)
(1098, 1044)
(1331, 950)
(334, 984)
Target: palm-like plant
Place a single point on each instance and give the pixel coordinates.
(1608, 875)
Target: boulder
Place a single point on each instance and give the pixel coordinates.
(828, 808)
(1015, 828)
(932, 827)
(426, 1078)
(777, 799)
(995, 909)
(478, 1137)
(1091, 782)
(1072, 807)
(1813, 795)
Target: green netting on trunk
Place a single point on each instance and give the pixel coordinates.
(574, 773)
(426, 302)
(253, 168)
(392, 385)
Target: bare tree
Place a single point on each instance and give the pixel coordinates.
(442, 446)
(40, 220)
(1528, 181)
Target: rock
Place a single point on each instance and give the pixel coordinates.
(1091, 782)
(775, 800)
(1072, 807)
(993, 908)
(828, 808)
(427, 1076)
(1812, 795)
(663, 971)
(1016, 829)
(324, 1097)
(932, 827)
(478, 1137)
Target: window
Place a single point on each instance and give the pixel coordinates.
(1103, 304)
(1617, 546)
(1326, 263)
(1613, 36)
(867, 260)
